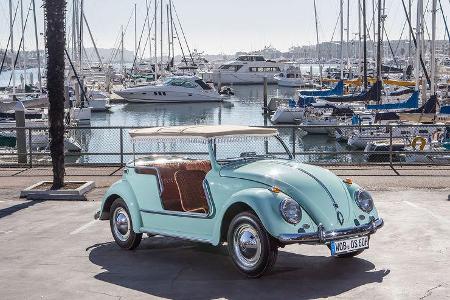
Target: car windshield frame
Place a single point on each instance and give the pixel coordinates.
(251, 157)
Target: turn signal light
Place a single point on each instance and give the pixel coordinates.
(275, 189)
(348, 180)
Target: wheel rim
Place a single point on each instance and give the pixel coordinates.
(246, 245)
(121, 224)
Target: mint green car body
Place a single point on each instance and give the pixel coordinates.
(327, 202)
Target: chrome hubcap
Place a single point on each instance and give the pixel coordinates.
(247, 245)
(121, 224)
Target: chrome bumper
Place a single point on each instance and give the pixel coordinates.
(322, 236)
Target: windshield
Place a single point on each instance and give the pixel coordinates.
(180, 82)
(250, 148)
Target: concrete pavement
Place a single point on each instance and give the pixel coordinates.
(55, 250)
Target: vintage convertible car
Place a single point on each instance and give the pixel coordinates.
(243, 188)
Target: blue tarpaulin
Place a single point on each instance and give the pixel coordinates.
(338, 90)
(412, 102)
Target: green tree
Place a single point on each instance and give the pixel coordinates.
(55, 42)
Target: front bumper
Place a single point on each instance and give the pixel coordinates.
(322, 236)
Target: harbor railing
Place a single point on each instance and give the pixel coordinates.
(350, 145)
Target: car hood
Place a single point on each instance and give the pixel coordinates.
(323, 195)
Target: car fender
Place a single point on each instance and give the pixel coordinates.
(266, 205)
(122, 189)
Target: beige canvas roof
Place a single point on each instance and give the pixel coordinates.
(201, 131)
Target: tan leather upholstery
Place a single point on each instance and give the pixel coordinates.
(172, 191)
(192, 193)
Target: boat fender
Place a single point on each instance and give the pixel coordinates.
(422, 140)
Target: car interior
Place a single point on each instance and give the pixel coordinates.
(181, 184)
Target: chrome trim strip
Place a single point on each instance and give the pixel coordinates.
(178, 213)
(145, 230)
(322, 236)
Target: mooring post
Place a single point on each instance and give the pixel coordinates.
(390, 146)
(66, 97)
(108, 82)
(21, 141)
(265, 109)
(77, 95)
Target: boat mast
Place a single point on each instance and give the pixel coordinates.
(359, 41)
(161, 33)
(24, 58)
(379, 52)
(80, 37)
(93, 41)
(419, 41)
(348, 36)
(433, 46)
(168, 34)
(365, 43)
(317, 43)
(410, 34)
(171, 30)
(156, 43)
(374, 45)
(135, 32)
(342, 38)
(38, 56)
(11, 34)
(149, 34)
(121, 51)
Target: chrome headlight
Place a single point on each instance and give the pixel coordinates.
(364, 200)
(291, 211)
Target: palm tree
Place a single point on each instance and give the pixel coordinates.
(55, 42)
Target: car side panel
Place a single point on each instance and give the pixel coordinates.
(123, 189)
(266, 205)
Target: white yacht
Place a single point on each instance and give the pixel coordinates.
(98, 101)
(175, 89)
(292, 77)
(245, 69)
(360, 139)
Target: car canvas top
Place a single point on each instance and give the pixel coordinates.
(201, 131)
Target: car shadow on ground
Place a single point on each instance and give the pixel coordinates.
(177, 269)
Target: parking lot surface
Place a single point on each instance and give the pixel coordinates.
(55, 250)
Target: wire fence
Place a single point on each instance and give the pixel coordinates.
(321, 145)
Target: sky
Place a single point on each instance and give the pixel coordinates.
(216, 26)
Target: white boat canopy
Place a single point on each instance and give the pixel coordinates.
(201, 132)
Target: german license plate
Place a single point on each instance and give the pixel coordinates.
(350, 245)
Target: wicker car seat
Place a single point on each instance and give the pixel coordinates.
(192, 193)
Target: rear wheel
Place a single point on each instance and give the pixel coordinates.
(251, 248)
(122, 226)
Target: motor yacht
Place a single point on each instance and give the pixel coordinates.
(98, 101)
(245, 69)
(175, 89)
(292, 77)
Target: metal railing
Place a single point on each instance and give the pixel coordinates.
(112, 146)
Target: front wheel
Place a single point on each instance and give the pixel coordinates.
(251, 248)
(122, 226)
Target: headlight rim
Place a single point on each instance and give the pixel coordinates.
(358, 202)
(286, 218)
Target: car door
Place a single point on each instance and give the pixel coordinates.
(162, 211)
